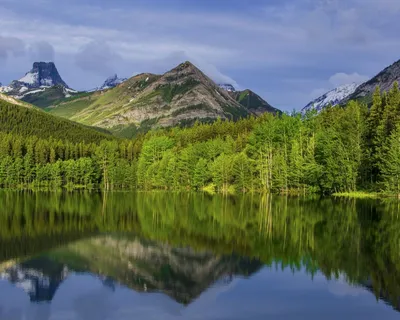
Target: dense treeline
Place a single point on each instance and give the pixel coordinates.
(338, 150)
(49, 164)
(29, 121)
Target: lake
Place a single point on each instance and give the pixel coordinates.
(196, 256)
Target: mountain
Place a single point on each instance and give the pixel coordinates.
(179, 97)
(362, 92)
(6, 98)
(331, 98)
(112, 82)
(25, 120)
(41, 86)
(253, 102)
(227, 87)
(248, 99)
(384, 79)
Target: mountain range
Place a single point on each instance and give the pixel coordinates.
(180, 96)
(357, 91)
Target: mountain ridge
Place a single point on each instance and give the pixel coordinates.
(384, 79)
(180, 96)
(331, 98)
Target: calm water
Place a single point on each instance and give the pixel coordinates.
(191, 256)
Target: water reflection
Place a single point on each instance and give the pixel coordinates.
(189, 247)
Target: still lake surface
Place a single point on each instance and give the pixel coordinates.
(196, 256)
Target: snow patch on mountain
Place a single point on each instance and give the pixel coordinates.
(30, 78)
(112, 82)
(333, 97)
(5, 89)
(227, 87)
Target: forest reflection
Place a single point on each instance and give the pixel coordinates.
(355, 239)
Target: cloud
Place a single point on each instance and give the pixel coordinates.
(41, 51)
(97, 57)
(11, 46)
(260, 44)
(342, 78)
(209, 69)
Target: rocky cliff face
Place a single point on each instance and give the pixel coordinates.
(42, 74)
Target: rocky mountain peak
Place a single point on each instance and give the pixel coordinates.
(42, 74)
(112, 82)
(185, 65)
(227, 87)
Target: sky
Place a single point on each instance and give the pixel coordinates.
(287, 51)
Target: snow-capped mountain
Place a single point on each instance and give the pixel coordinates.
(112, 82)
(333, 97)
(228, 87)
(42, 74)
(384, 79)
(42, 80)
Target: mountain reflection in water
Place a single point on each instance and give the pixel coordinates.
(187, 246)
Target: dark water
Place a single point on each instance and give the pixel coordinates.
(191, 256)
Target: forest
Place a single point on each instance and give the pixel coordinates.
(341, 149)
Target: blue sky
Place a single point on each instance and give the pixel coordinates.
(288, 51)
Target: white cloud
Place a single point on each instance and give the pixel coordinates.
(342, 78)
(312, 39)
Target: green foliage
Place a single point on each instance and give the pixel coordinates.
(49, 97)
(28, 122)
(68, 107)
(340, 150)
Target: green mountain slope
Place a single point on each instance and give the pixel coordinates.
(68, 107)
(29, 121)
(253, 102)
(48, 96)
(9, 99)
(179, 97)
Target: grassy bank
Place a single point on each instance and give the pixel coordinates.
(359, 195)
